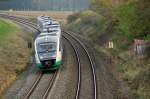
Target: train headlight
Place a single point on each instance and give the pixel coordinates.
(41, 57)
(54, 56)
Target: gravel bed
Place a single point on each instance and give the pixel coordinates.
(42, 86)
(65, 85)
(25, 81)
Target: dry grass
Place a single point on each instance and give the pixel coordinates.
(59, 15)
(13, 55)
(136, 72)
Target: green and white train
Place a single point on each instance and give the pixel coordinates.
(48, 48)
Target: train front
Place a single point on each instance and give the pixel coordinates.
(46, 53)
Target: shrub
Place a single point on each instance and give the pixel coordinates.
(129, 24)
(73, 17)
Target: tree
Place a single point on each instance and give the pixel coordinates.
(144, 15)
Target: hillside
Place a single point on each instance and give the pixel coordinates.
(121, 22)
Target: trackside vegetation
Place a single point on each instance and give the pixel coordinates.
(14, 53)
(120, 21)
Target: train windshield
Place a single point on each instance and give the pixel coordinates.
(46, 47)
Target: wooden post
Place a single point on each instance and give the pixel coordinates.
(111, 44)
(140, 47)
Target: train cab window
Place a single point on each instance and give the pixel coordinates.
(46, 47)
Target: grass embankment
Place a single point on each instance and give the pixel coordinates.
(88, 23)
(13, 52)
(121, 23)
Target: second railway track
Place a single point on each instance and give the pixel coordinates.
(87, 85)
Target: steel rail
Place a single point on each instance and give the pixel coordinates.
(30, 91)
(49, 87)
(79, 68)
(91, 62)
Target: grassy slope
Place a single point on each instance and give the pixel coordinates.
(87, 23)
(4, 25)
(13, 52)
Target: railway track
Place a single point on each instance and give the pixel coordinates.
(44, 94)
(30, 91)
(80, 49)
(85, 63)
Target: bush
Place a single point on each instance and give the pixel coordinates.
(144, 15)
(73, 17)
(89, 23)
(93, 19)
(129, 24)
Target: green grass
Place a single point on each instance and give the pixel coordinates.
(5, 28)
(14, 53)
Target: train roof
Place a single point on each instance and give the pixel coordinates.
(54, 33)
(55, 22)
(44, 17)
(44, 20)
(52, 30)
(46, 23)
(50, 24)
(46, 38)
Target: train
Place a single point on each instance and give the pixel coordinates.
(47, 23)
(48, 44)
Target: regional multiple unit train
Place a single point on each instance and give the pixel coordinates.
(48, 44)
